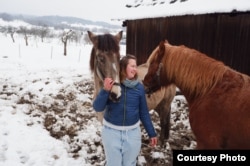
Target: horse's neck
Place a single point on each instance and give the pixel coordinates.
(98, 84)
(142, 70)
(185, 84)
(194, 86)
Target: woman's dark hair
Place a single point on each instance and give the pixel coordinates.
(123, 65)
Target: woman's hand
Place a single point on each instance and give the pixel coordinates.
(153, 141)
(107, 84)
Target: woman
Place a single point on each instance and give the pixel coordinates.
(121, 133)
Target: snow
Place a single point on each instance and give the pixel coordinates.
(37, 78)
(148, 10)
(30, 67)
(33, 78)
(14, 23)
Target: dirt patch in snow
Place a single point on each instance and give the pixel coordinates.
(68, 115)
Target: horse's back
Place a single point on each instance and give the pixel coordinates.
(221, 119)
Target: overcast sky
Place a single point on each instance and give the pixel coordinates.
(97, 10)
(105, 10)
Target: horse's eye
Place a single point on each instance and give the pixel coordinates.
(101, 59)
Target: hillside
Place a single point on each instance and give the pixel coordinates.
(59, 22)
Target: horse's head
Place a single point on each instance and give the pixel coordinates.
(104, 61)
(152, 80)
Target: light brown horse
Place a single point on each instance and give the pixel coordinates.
(104, 62)
(218, 96)
(160, 101)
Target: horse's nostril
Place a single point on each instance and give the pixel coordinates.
(114, 97)
(147, 90)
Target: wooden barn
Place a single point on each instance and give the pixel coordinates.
(221, 31)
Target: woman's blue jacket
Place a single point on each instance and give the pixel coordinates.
(131, 108)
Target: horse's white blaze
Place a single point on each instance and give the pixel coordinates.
(99, 74)
(116, 89)
(114, 67)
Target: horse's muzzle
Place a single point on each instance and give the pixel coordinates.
(148, 90)
(113, 97)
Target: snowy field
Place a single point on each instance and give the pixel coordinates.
(46, 117)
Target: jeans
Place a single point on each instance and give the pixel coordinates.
(121, 146)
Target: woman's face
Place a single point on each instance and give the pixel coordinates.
(131, 69)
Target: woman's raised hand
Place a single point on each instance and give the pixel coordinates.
(108, 83)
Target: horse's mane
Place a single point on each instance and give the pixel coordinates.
(151, 56)
(199, 73)
(104, 43)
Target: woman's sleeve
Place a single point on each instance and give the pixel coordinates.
(101, 100)
(145, 116)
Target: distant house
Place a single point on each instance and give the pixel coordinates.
(220, 29)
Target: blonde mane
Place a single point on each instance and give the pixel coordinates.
(191, 70)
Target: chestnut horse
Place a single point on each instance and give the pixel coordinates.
(104, 62)
(218, 96)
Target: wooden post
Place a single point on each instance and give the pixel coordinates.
(79, 57)
(51, 52)
(19, 50)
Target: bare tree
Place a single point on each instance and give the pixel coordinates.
(12, 30)
(44, 32)
(26, 39)
(65, 38)
(76, 37)
(86, 39)
(23, 30)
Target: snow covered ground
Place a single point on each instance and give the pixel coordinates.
(46, 117)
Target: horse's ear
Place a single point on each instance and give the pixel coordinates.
(118, 36)
(92, 37)
(161, 49)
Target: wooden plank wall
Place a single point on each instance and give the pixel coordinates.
(225, 37)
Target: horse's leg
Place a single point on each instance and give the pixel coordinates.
(98, 86)
(164, 111)
(164, 114)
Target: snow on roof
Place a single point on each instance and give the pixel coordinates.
(136, 9)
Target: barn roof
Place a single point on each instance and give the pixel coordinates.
(137, 9)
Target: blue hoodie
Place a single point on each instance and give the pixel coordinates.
(131, 108)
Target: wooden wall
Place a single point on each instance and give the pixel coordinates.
(225, 37)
